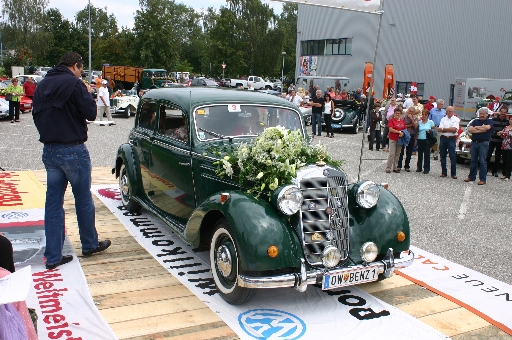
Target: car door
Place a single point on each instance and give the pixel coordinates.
(171, 170)
(141, 139)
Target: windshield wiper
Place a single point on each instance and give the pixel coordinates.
(215, 134)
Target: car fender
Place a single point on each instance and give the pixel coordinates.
(379, 224)
(126, 155)
(256, 225)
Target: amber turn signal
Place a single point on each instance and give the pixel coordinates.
(272, 251)
(400, 236)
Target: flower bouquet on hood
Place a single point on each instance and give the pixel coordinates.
(271, 160)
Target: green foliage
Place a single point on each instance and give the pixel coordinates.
(246, 35)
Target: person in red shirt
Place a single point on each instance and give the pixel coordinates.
(395, 125)
(29, 88)
(495, 105)
(430, 105)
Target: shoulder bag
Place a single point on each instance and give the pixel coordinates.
(8, 97)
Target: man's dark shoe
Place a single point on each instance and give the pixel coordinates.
(443, 175)
(101, 247)
(65, 259)
(454, 177)
(495, 174)
(481, 183)
(469, 180)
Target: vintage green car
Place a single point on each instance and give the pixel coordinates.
(319, 229)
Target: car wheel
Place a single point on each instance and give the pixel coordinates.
(355, 129)
(124, 189)
(224, 263)
(268, 87)
(459, 159)
(129, 111)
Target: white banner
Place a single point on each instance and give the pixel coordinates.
(64, 304)
(486, 297)
(273, 313)
(370, 6)
(14, 287)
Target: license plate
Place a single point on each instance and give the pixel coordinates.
(349, 277)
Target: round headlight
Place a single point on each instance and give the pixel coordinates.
(289, 199)
(367, 195)
(331, 256)
(369, 252)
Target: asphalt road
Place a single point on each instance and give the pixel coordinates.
(462, 222)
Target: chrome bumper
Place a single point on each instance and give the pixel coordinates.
(300, 280)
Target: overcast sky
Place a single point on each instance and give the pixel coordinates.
(124, 10)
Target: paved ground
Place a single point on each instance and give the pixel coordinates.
(462, 222)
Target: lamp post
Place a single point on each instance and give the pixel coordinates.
(89, 78)
(282, 72)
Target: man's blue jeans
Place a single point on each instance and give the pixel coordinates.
(447, 146)
(316, 118)
(67, 163)
(478, 160)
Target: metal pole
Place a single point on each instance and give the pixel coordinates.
(282, 73)
(90, 58)
(370, 95)
(223, 70)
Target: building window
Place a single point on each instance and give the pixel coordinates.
(338, 46)
(313, 47)
(342, 46)
(404, 87)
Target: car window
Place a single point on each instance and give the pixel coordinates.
(172, 123)
(147, 116)
(210, 82)
(236, 120)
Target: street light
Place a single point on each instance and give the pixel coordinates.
(282, 73)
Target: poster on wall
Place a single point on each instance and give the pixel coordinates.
(308, 65)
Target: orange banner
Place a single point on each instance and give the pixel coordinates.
(367, 78)
(389, 81)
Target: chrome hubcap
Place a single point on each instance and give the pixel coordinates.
(224, 262)
(124, 185)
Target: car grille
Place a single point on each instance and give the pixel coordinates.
(324, 214)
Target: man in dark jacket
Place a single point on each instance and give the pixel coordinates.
(61, 107)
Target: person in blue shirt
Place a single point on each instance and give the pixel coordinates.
(425, 126)
(436, 114)
(480, 130)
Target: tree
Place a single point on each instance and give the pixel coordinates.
(162, 28)
(288, 31)
(22, 29)
(60, 41)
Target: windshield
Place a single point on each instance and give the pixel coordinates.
(159, 74)
(210, 82)
(235, 120)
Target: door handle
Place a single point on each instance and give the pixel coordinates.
(184, 163)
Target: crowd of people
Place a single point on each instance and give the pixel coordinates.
(430, 130)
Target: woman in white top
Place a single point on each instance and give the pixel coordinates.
(328, 113)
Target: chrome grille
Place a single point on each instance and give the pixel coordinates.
(324, 214)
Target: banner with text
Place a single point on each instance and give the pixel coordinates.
(486, 297)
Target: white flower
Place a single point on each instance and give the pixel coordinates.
(259, 175)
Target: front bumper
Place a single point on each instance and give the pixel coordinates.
(300, 280)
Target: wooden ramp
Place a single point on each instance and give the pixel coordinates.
(141, 300)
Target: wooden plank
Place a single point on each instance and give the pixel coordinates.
(215, 330)
(141, 296)
(148, 264)
(489, 332)
(455, 321)
(162, 323)
(403, 294)
(129, 285)
(427, 306)
(152, 309)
